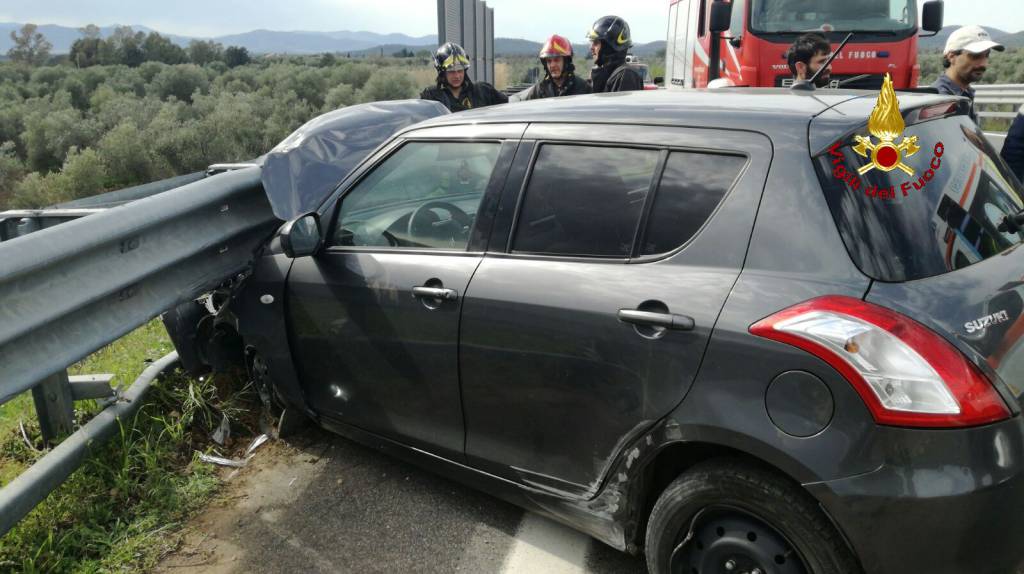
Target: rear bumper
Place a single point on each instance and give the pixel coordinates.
(945, 502)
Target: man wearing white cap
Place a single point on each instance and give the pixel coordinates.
(965, 59)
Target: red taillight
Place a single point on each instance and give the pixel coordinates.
(905, 373)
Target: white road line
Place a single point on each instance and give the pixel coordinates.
(545, 546)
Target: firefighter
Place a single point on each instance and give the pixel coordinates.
(559, 77)
(806, 56)
(454, 89)
(609, 42)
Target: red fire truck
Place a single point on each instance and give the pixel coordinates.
(753, 36)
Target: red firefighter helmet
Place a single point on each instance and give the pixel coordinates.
(556, 46)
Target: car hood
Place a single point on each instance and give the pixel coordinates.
(302, 171)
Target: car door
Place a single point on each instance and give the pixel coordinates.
(589, 317)
(374, 317)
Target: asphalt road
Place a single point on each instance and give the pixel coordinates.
(324, 504)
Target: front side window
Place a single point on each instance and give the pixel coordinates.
(584, 201)
(425, 196)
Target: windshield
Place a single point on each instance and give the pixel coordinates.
(832, 15)
(946, 215)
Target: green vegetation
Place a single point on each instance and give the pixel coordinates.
(69, 132)
(30, 46)
(121, 510)
(135, 108)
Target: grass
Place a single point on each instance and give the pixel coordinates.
(121, 511)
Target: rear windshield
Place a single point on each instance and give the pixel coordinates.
(937, 210)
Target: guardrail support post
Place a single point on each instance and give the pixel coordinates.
(55, 406)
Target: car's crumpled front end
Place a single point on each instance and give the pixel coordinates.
(298, 175)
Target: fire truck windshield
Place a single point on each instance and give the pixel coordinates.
(774, 16)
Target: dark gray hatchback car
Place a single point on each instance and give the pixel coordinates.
(735, 330)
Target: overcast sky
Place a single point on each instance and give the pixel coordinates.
(530, 19)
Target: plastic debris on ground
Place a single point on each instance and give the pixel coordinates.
(223, 432)
(232, 462)
(255, 444)
(221, 461)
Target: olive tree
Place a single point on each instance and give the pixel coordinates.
(30, 46)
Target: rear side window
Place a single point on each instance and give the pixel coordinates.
(591, 201)
(946, 215)
(691, 188)
(584, 201)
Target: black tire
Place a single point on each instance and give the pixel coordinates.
(754, 494)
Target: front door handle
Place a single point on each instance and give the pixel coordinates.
(435, 293)
(663, 320)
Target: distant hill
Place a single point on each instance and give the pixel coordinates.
(268, 41)
(937, 42)
(256, 41)
(507, 47)
(1015, 40)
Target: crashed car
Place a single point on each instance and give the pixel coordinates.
(740, 331)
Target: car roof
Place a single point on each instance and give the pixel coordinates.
(762, 109)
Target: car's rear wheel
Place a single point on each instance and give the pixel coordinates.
(730, 517)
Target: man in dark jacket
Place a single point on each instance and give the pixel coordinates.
(965, 59)
(454, 89)
(559, 77)
(1013, 147)
(609, 43)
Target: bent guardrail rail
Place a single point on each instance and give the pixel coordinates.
(70, 289)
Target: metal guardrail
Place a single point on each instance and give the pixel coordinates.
(31, 487)
(1002, 95)
(69, 289)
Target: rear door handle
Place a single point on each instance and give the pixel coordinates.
(435, 293)
(663, 320)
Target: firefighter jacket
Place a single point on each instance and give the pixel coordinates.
(615, 75)
(546, 88)
(473, 95)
